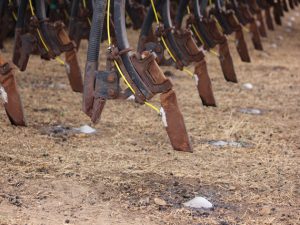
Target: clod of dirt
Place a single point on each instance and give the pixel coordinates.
(251, 111)
(232, 188)
(13, 199)
(65, 131)
(198, 203)
(229, 144)
(266, 210)
(224, 223)
(279, 68)
(160, 202)
(169, 73)
(57, 131)
(144, 201)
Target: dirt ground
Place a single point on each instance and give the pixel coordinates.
(112, 177)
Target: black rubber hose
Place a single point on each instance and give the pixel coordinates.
(74, 8)
(203, 6)
(40, 11)
(122, 42)
(221, 2)
(96, 31)
(145, 2)
(147, 24)
(237, 12)
(181, 11)
(221, 19)
(166, 18)
(2, 5)
(21, 14)
(201, 27)
(91, 5)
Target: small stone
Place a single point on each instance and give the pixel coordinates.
(221, 143)
(169, 74)
(144, 201)
(67, 221)
(198, 203)
(176, 183)
(289, 24)
(248, 86)
(251, 111)
(232, 188)
(218, 143)
(160, 202)
(266, 210)
(280, 37)
(86, 129)
(224, 223)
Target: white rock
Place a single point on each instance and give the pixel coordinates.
(226, 143)
(248, 86)
(280, 37)
(235, 144)
(86, 129)
(289, 24)
(3, 94)
(61, 86)
(159, 201)
(219, 143)
(292, 19)
(274, 45)
(58, 86)
(198, 203)
(251, 111)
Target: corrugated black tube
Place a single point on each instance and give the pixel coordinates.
(96, 30)
(21, 14)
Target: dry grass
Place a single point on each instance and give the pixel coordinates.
(112, 177)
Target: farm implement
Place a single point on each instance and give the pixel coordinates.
(172, 33)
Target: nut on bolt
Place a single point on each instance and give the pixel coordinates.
(111, 78)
